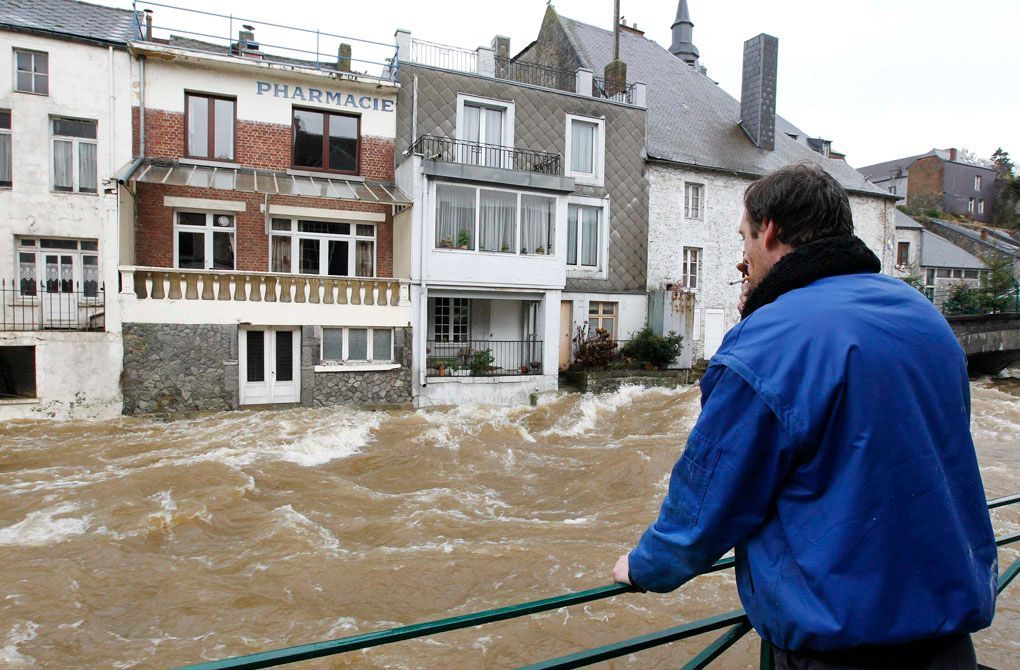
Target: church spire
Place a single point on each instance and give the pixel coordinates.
(683, 33)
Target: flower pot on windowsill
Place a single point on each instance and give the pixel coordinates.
(441, 370)
(524, 369)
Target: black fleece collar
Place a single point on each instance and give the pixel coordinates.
(828, 257)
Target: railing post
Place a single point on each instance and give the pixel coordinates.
(403, 39)
(767, 656)
(640, 95)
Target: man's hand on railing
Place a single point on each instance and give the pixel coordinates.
(621, 571)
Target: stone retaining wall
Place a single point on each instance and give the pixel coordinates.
(607, 381)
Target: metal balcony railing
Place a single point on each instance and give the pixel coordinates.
(600, 89)
(736, 623)
(536, 74)
(443, 56)
(484, 358)
(449, 150)
(57, 304)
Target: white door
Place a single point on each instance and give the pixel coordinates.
(269, 363)
(713, 331)
(59, 300)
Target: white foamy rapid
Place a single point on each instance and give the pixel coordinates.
(10, 657)
(593, 407)
(43, 527)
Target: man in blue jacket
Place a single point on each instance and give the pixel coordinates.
(833, 451)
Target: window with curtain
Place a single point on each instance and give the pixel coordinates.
(326, 141)
(209, 126)
(583, 235)
(68, 265)
(6, 145)
(32, 71)
(693, 195)
(692, 267)
(582, 146)
(204, 241)
(326, 248)
(483, 125)
(75, 160)
(538, 224)
(902, 253)
(357, 345)
(455, 216)
(497, 221)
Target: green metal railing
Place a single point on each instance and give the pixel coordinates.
(736, 623)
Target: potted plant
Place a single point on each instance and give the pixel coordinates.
(505, 248)
(535, 365)
(540, 251)
(524, 250)
(441, 368)
(446, 243)
(524, 369)
(481, 363)
(463, 238)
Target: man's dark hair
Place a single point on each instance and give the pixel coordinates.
(805, 203)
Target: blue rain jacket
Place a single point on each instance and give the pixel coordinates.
(834, 452)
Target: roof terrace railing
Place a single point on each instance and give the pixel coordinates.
(443, 56)
(608, 91)
(230, 35)
(736, 621)
(446, 150)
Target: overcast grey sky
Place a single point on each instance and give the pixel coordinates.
(881, 78)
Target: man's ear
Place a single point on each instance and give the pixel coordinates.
(770, 234)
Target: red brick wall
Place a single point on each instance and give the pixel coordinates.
(925, 183)
(257, 145)
(154, 242)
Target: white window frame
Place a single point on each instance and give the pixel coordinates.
(345, 345)
(970, 205)
(900, 245)
(699, 214)
(598, 160)
(466, 306)
(40, 254)
(981, 207)
(509, 115)
(977, 182)
(476, 229)
(7, 132)
(296, 235)
(699, 259)
(584, 271)
(47, 74)
(76, 143)
(208, 229)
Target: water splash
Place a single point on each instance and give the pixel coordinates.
(43, 527)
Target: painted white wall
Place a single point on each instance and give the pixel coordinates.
(272, 102)
(494, 391)
(632, 317)
(77, 376)
(912, 236)
(716, 234)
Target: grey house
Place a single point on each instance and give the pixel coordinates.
(938, 179)
(703, 149)
(530, 216)
(941, 264)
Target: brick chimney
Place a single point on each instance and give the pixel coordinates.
(343, 57)
(501, 50)
(758, 91)
(952, 153)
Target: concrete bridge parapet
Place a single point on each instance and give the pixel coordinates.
(991, 341)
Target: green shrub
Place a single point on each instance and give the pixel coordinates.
(481, 363)
(593, 352)
(656, 350)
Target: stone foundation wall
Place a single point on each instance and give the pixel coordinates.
(193, 368)
(179, 368)
(607, 381)
(322, 389)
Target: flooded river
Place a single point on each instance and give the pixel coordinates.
(144, 543)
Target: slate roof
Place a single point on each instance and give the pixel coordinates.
(995, 241)
(882, 171)
(904, 221)
(938, 252)
(691, 120)
(69, 18)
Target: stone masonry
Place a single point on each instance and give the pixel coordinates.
(322, 389)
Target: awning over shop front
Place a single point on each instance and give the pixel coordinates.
(247, 180)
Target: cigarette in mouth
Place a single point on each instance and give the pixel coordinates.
(742, 280)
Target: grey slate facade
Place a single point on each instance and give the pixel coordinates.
(540, 126)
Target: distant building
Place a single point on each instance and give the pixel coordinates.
(704, 148)
(940, 263)
(938, 180)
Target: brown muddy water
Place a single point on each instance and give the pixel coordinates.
(138, 543)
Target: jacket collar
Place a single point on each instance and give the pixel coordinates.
(828, 257)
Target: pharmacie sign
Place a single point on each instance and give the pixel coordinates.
(309, 94)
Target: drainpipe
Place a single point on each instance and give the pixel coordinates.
(423, 304)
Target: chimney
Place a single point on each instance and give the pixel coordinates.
(246, 43)
(952, 154)
(148, 25)
(632, 29)
(501, 49)
(616, 70)
(343, 57)
(758, 91)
